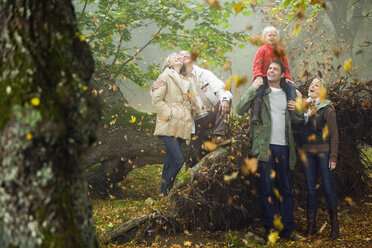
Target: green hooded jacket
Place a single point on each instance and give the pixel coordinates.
(260, 134)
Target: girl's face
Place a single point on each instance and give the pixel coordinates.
(175, 60)
(313, 91)
(271, 37)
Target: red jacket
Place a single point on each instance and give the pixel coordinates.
(263, 57)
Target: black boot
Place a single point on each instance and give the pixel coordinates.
(256, 111)
(311, 223)
(335, 231)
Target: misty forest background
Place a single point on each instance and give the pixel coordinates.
(80, 166)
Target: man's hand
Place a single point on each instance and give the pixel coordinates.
(332, 165)
(291, 105)
(156, 85)
(224, 106)
(257, 83)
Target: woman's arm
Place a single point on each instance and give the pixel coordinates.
(163, 110)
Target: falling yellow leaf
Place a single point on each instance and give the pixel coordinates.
(325, 132)
(278, 223)
(311, 137)
(210, 146)
(272, 174)
(240, 81)
(228, 178)
(303, 156)
(35, 101)
(114, 87)
(85, 88)
(28, 136)
(347, 65)
(132, 119)
(348, 199)
(214, 4)
(299, 104)
(273, 237)
(227, 66)
(322, 94)
(187, 243)
(80, 36)
(238, 7)
(277, 194)
(297, 30)
(249, 166)
(228, 83)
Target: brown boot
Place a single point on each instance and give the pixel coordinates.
(311, 223)
(335, 231)
(256, 111)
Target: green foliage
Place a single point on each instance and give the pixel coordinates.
(184, 25)
(290, 10)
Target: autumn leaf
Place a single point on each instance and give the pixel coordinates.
(279, 53)
(238, 7)
(249, 166)
(114, 87)
(278, 223)
(322, 94)
(228, 178)
(273, 237)
(277, 194)
(325, 132)
(187, 243)
(194, 55)
(297, 30)
(227, 66)
(240, 81)
(299, 104)
(28, 136)
(347, 65)
(210, 146)
(272, 174)
(132, 119)
(228, 83)
(214, 3)
(35, 101)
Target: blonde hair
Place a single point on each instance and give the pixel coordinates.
(318, 80)
(167, 61)
(269, 29)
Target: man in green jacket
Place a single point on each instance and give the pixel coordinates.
(273, 145)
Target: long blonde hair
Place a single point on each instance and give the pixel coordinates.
(167, 61)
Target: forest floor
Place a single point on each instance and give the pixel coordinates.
(139, 196)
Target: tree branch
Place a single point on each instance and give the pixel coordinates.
(135, 55)
(116, 55)
(85, 5)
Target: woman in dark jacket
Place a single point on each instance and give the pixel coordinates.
(319, 140)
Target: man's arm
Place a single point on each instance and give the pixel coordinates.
(245, 102)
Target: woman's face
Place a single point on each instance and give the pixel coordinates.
(314, 88)
(271, 37)
(175, 60)
(186, 57)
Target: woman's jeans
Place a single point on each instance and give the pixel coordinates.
(279, 162)
(319, 161)
(173, 162)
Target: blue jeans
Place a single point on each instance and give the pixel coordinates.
(173, 162)
(279, 162)
(315, 161)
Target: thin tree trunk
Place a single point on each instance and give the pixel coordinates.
(47, 121)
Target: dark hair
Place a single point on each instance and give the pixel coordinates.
(277, 61)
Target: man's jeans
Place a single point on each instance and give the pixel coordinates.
(314, 161)
(173, 162)
(279, 162)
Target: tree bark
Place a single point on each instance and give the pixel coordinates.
(47, 120)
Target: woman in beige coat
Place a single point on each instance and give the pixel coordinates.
(174, 121)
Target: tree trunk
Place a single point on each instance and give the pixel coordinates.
(47, 120)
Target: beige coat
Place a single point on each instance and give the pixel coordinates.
(173, 112)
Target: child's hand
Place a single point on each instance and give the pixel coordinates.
(257, 83)
(289, 81)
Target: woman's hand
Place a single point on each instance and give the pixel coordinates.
(332, 165)
(291, 105)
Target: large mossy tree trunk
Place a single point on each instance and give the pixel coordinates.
(47, 120)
